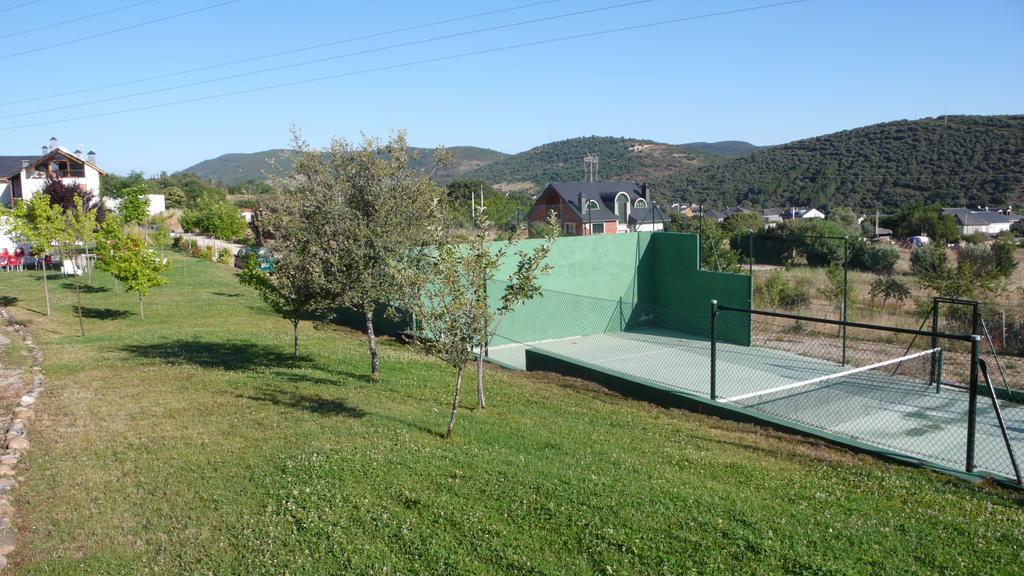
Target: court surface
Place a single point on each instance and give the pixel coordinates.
(896, 413)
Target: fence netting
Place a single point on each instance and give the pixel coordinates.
(902, 391)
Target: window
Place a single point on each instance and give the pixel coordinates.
(592, 205)
(622, 207)
(570, 228)
(641, 203)
(597, 228)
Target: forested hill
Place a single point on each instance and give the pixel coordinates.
(231, 169)
(619, 158)
(951, 160)
(728, 148)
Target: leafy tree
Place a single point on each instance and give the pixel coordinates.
(124, 256)
(716, 252)
(285, 290)
(820, 241)
(80, 226)
(929, 259)
(846, 218)
(889, 288)
(134, 205)
(876, 258)
(64, 194)
(917, 219)
(451, 302)
(216, 218)
(174, 197)
(42, 225)
(835, 288)
(742, 222)
(357, 211)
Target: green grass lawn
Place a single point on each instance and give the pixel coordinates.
(190, 443)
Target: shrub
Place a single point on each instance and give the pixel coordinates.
(889, 288)
(224, 255)
(875, 258)
(777, 292)
(929, 259)
(976, 238)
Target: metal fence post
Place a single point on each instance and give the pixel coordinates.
(750, 255)
(714, 348)
(846, 289)
(935, 330)
(938, 371)
(972, 402)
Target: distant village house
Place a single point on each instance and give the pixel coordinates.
(22, 177)
(586, 208)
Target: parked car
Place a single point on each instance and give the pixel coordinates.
(263, 257)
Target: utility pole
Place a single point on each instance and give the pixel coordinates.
(591, 163)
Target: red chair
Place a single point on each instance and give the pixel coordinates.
(14, 263)
(4, 253)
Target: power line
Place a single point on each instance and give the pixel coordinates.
(415, 63)
(116, 30)
(283, 52)
(78, 19)
(326, 59)
(8, 9)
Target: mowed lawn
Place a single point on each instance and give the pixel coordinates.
(191, 443)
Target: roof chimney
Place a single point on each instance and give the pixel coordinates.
(91, 157)
(46, 150)
(25, 163)
(53, 143)
(78, 152)
(645, 191)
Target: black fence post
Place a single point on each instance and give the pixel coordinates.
(972, 402)
(935, 330)
(714, 348)
(846, 289)
(750, 256)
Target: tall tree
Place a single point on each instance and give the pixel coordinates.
(357, 211)
(80, 225)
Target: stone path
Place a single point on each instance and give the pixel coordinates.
(13, 382)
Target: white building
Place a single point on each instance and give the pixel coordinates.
(985, 221)
(22, 177)
(157, 203)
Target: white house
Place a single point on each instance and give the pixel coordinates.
(22, 177)
(803, 214)
(157, 203)
(984, 221)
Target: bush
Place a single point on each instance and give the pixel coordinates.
(224, 255)
(929, 259)
(215, 218)
(889, 288)
(976, 238)
(820, 241)
(873, 257)
(777, 292)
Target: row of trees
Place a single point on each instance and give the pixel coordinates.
(361, 229)
(65, 220)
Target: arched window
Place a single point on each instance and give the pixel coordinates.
(592, 205)
(622, 207)
(640, 203)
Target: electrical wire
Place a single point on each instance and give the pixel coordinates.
(415, 63)
(9, 8)
(283, 52)
(76, 19)
(326, 59)
(116, 30)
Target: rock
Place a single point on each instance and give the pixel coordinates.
(22, 413)
(6, 544)
(10, 459)
(19, 444)
(6, 484)
(6, 471)
(18, 424)
(26, 400)
(12, 434)
(3, 561)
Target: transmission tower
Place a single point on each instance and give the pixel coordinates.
(590, 167)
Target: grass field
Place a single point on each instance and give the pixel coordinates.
(190, 443)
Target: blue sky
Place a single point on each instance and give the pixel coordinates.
(766, 76)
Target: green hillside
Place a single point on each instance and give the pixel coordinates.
(232, 169)
(727, 148)
(951, 160)
(620, 158)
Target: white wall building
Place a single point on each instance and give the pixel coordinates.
(22, 177)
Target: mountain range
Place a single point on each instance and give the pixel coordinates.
(953, 160)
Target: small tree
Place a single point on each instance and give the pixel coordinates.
(285, 291)
(889, 288)
(80, 225)
(126, 257)
(452, 307)
(835, 288)
(134, 206)
(216, 218)
(42, 225)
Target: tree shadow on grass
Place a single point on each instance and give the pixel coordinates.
(311, 403)
(102, 313)
(325, 377)
(85, 288)
(231, 356)
(8, 301)
(227, 294)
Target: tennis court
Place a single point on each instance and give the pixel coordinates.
(886, 403)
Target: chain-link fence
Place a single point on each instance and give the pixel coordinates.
(903, 391)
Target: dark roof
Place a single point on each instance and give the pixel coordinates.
(646, 215)
(10, 165)
(967, 217)
(602, 192)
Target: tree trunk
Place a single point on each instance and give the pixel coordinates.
(481, 401)
(46, 289)
(455, 402)
(142, 313)
(295, 338)
(88, 263)
(78, 297)
(372, 339)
